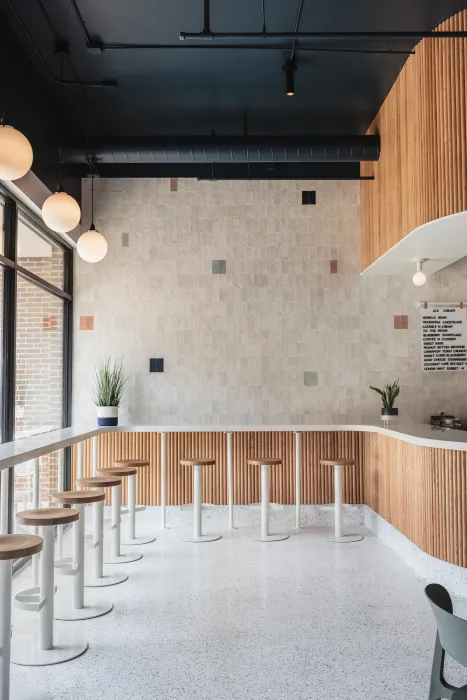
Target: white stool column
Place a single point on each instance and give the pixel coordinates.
(116, 556)
(12, 547)
(47, 646)
(80, 609)
(197, 466)
(337, 534)
(230, 480)
(264, 535)
(98, 576)
(128, 468)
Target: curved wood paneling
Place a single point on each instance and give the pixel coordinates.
(422, 172)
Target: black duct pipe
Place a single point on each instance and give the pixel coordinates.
(236, 171)
(323, 36)
(230, 149)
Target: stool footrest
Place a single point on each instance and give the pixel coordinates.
(65, 567)
(139, 509)
(124, 510)
(30, 600)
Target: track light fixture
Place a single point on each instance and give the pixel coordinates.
(419, 277)
(289, 69)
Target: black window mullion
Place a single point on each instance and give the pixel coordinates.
(9, 338)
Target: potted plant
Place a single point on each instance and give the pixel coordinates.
(107, 389)
(388, 396)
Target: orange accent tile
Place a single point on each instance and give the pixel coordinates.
(174, 184)
(49, 323)
(404, 323)
(86, 323)
(333, 267)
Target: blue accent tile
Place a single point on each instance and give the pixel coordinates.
(156, 364)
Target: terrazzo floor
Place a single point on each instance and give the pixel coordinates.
(236, 619)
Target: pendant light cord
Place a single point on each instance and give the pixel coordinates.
(92, 227)
(60, 133)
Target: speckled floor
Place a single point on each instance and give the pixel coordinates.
(236, 619)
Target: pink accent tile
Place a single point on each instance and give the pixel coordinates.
(174, 184)
(333, 267)
(86, 323)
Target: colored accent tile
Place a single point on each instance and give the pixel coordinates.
(49, 323)
(86, 323)
(156, 364)
(333, 267)
(174, 184)
(401, 323)
(219, 267)
(310, 378)
(125, 240)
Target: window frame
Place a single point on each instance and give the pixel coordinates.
(13, 209)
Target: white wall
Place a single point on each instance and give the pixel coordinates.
(236, 346)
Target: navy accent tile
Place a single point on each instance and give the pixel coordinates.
(156, 364)
(309, 197)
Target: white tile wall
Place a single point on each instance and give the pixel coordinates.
(236, 346)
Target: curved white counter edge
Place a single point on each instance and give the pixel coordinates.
(25, 449)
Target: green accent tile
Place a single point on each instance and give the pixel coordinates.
(219, 267)
(310, 378)
(125, 240)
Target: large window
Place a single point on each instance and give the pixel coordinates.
(35, 337)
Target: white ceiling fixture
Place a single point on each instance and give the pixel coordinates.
(92, 246)
(438, 243)
(15, 153)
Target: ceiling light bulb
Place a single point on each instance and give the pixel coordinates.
(15, 153)
(92, 246)
(61, 212)
(419, 277)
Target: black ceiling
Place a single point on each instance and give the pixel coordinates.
(196, 88)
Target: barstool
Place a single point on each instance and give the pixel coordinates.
(99, 578)
(265, 535)
(197, 464)
(132, 507)
(327, 533)
(116, 556)
(75, 565)
(47, 646)
(12, 547)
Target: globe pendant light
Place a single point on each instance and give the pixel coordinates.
(60, 211)
(15, 153)
(92, 246)
(419, 277)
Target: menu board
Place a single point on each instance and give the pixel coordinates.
(444, 338)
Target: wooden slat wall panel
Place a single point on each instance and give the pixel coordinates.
(421, 491)
(422, 171)
(316, 483)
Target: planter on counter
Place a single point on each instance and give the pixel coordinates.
(107, 415)
(389, 413)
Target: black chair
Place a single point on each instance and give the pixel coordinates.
(451, 637)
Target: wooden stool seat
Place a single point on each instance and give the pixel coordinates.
(118, 471)
(43, 517)
(341, 462)
(132, 463)
(16, 546)
(198, 461)
(79, 497)
(270, 462)
(94, 482)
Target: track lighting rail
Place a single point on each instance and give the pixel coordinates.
(323, 36)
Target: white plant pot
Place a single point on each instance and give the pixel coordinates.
(107, 415)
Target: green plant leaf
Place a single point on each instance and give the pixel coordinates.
(108, 382)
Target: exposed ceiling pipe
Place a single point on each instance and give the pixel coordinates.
(324, 36)
(230, 149)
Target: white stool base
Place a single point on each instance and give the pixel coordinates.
(327, 534)
(64, 611)
(138, 540)
(105, 580)
(266, 538)
(25, 649)
(124, 558)
(201, 538)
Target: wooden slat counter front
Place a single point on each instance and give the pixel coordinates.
(414, 478)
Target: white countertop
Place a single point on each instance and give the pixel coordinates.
(23, 450)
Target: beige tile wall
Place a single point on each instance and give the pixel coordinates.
(236, 346)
